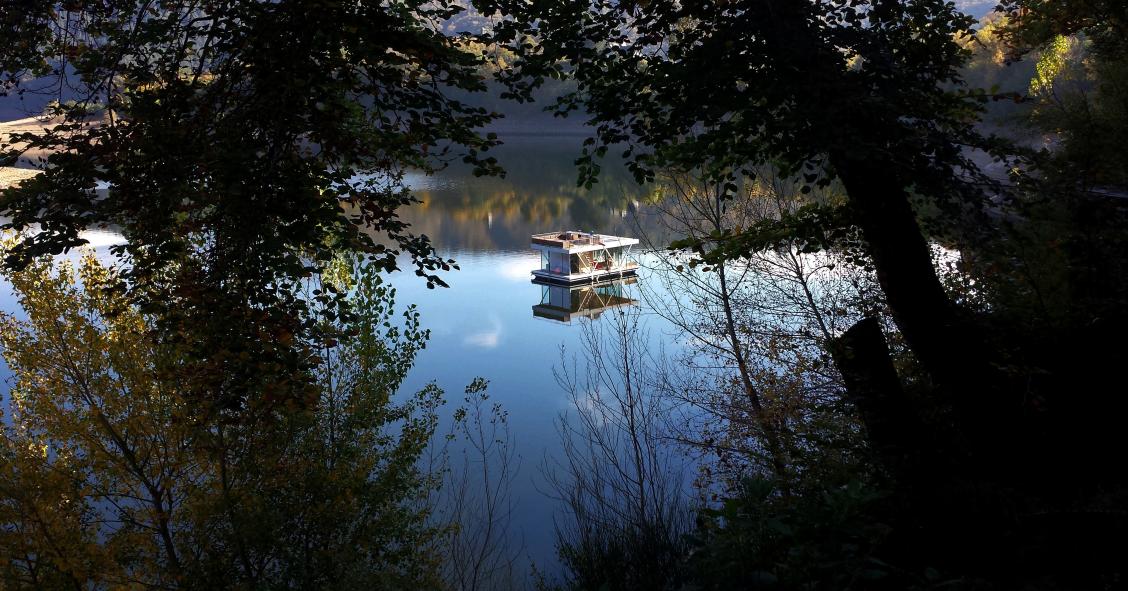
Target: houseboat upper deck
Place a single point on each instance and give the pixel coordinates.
(576, 257)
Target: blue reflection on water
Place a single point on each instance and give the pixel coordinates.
(484, 325)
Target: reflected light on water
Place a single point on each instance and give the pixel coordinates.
(518, 267)
(486, 339)
(101, 238)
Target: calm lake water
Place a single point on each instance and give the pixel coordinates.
(484, 323)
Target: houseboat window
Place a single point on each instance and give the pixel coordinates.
(613, 290)
(577, 264)
(553, 262)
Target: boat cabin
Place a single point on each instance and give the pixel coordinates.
(576, 257)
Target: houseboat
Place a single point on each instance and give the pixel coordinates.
(564, 303)
(571, 257)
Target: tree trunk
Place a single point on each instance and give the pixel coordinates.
(953, 353)
(894, 430)
(776, 452)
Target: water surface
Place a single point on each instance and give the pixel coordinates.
(484, 324)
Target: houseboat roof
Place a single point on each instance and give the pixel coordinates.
(573, 241)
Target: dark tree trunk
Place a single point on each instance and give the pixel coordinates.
(892, 426)
(951, 351)
(904, 268)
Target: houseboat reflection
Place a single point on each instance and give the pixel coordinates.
(563, 303)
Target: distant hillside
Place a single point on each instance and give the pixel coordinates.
(519, 118)
(977, 8)
(32, 98)
(18, 107)
(470, 21)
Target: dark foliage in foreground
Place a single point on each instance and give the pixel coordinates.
(992, 443)
(243, 144)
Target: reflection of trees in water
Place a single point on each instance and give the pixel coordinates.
(538, 193)
(624, 518)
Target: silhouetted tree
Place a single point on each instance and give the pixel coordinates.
(867, 93)
(241, 144)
